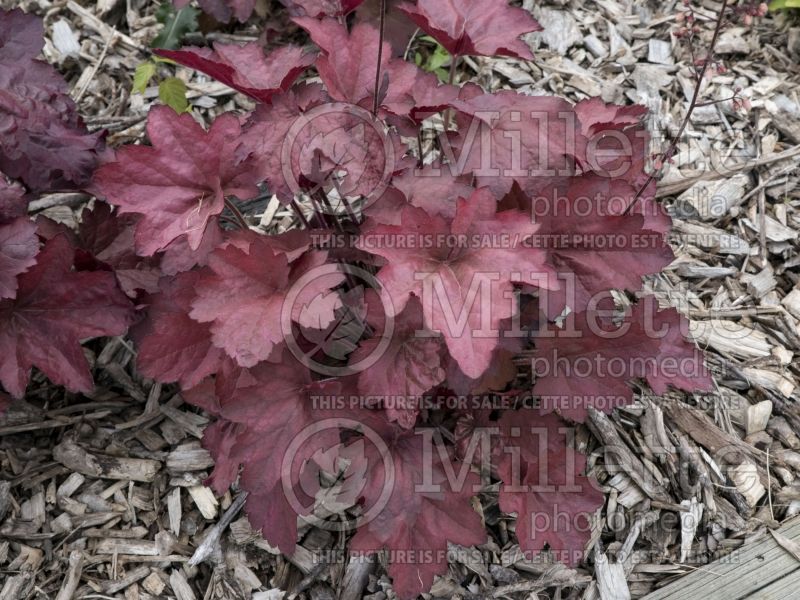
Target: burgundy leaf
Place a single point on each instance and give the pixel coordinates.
(242, 292)
(43, 141)
(223, 10)
(590, 243)
(508, 137)
(348, 64)
(109, 239)
(178, 256)
(463, 270)
(476, 27)
(19, 245)
(12, 200)
(299, 143)
(179, 183)
(424, 512)
(398, 28)
(246, 68)
(173, 347)
(262, 412)
(54, 310)
(590, 361)
(410, 365)
(433, 188)
(543, 483)
(322, 8)
(20, 36)
(266, 132)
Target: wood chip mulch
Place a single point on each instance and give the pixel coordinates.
(102, 496)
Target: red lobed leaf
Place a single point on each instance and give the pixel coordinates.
(347, 67)
(409, 366)
(178, 256)
(223, 10)
(171, 346)
(591, 244)
(322, 8)
(590, 361)
(20, 36)
(242, 292)
(246, 68)
(262, 412)
(507, 137)
(476, 27)
(12, 200)
(424, 511)
(543, 483)
(109, 240)
(54, 310)
(44, 142)
(433, 188)
(179, 183)
(19, 246)
(301, 143)
(464, 270)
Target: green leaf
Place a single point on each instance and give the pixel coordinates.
(783, 4)
(176, 25)
(172, 92)
(141, 78)
(438, 59)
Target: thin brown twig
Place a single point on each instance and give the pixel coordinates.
(692, 105)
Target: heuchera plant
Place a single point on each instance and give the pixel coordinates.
(419, 272)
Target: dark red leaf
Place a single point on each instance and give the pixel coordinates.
(179, 183)
(590, 243)
(12, 200)
(109, 239)
(348, 64)
(54, 310)
(246, 68)
(463, 269)
(321, 8)
(434, 189)
(262, 411)
(543, 483)
(424, 512)
(44, 142)
(242, 292)
(19, 245)
(477, 27)
(178, 256)
(223, 10)
(590, 361)
(507, 137)
(409, 366)
(301, 144)
(173, 347)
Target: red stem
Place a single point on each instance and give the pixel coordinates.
(240, 220)
(380, 59)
